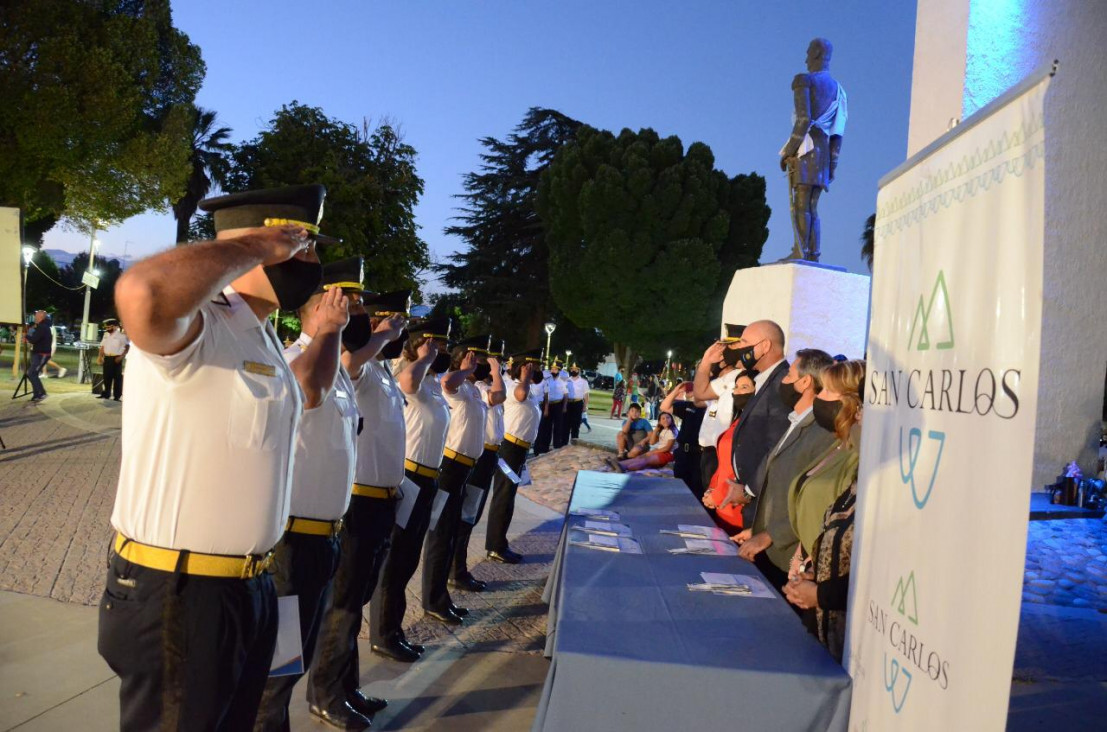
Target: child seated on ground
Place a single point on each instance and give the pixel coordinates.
(633, 432)
(655, 451)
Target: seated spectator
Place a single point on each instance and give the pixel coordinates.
(634, 430)
(660, 443)
(819, 576)
(729, 518)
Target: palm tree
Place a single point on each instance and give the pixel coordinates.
(868, 241)
(209, 165)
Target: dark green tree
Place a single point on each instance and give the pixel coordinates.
(43, 291)
(641, 240)
(372, 187)
(502, 274)
(102, 302)
(94, 123)
(868, 241)
(208, 161)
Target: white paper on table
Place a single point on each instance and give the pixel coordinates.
(707, 532)
(409, 493)
(470, 505)
(621, 544)
(507, 471)
(757, 587)
(596, 513)
(440, 499)
(288, 654)
(607, 528)
(706, 546)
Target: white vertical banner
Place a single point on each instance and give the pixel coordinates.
(948, 438)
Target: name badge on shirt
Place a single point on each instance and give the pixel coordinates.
(262, 369)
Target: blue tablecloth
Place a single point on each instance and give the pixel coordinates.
(632, 648)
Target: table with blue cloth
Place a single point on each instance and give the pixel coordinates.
(632, 648)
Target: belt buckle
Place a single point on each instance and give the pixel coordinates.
(336, 527)
(255, 564)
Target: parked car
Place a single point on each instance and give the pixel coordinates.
(603, 382)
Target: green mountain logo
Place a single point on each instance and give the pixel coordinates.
(934, 316)
(904, 600)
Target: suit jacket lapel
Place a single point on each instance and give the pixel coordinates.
(794, 435)
(757, 397)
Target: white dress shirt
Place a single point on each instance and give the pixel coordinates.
(114, 344)
(556, 388)
(578, 387)
(763, 376)
(468, 412)
(720, 412)
(383, 440)
(326, 448)
(521, 418)
(494, 421)
(208, 438)
(428, 419)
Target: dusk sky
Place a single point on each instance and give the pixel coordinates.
(451, 72)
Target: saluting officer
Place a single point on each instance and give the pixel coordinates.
(464, 444)
(371, 340)
(578, 403)
(488, 378)
(521, 417)
(188, 619)
(427, 418)
(304, 561)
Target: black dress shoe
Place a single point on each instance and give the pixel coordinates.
(417, 647)
(341, 716)
(446, 616)
(506, 556)
(365, 705)
(395, 649)
(468, 582)
(461, 612)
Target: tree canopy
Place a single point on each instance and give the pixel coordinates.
(95, 123)
(643, 236)
(372, 187)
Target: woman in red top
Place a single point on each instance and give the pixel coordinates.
(729, 518)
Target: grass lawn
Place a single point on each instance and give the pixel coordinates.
(599, 402)
(65, 356)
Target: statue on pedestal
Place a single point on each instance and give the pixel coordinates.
(811, 154)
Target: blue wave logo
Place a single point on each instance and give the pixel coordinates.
(897, 691)
(913, 468)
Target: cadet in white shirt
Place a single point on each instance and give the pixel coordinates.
(553, 410)
(188, 619)
(373, 337)
(714, 382)
(577, 405)
(322, 471)
(464, 444)
(113, 347)
(522, 415)
(488, 378)
(428, 418)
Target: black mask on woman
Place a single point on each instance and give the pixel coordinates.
(294, 282)
(740, 402)
(393, 349)
(826, 412)
(789, 395)
(441, 363)
(482, 371)
(732, 356)
(357, 332)
(537, 377)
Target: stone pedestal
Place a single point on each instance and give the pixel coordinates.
(817, 305)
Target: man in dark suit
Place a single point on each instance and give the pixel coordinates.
(769, 540)
(765, 418)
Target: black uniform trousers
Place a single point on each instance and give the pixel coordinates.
(191, 652)
(503, 497)
(113, 378)
(557, 425)
(545, 431)
(386, 613)
(574, 412)
(481, 477)
(363, 546)
(303, 565)
(439, 547)
(709, 463)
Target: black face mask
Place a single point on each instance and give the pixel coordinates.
(393, 349)
(357, 332)
(482, 371)
(441, 363)
(826, 412)
(740, 402)
(574, 374)
(555, 373)
(294, 282)
(789, 395)
(537, 377)
(745, 355)
(731, 357)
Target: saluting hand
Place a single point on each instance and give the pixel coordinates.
(714, 353)
(333, 309)
(278, 243)
(390, 326)
(469, 361)
(494, 363)
(427, 351)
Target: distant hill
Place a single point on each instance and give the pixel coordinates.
(61, 257)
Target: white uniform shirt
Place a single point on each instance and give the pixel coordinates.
(578, 387)
(555, 387)
(719, 411)
(538, 391)
(428, 419)
(521, 418)
(208, 438)
(468, 412)
(494, 421)
(383, 440)
(114, 343)
(326, 448)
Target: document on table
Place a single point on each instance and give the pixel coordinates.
(732, 584)
(604, 528)
(688, 531)
(620, 544)
(707, 547)
(598, 514)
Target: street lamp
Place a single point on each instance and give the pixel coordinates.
(550, 328)
(29, 251)
(93, 245)
(668, 363)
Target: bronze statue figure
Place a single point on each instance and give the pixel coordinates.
(811, 154)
